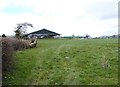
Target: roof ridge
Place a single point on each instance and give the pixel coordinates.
(44, 31)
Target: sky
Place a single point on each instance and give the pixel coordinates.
(66, 17)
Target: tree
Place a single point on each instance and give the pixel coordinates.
(87, 36)
(73, 35)
(3, 35)
(21, 29)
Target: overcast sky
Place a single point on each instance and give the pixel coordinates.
(67, 17)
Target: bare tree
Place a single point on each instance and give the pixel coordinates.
(21, 29)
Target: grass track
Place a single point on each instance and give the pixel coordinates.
(67, 62)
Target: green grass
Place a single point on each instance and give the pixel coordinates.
(67, 62)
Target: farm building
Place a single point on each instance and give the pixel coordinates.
(44, 33)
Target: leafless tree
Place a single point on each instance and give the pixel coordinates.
(21, 29)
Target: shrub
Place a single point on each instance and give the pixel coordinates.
(20, 44)
(9, 45)
(7, 55)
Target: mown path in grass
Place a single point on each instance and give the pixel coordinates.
(69, 62)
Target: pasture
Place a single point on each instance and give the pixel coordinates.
(67, 62)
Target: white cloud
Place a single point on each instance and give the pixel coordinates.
(63, 16)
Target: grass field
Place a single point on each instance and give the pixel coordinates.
(67, 62)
